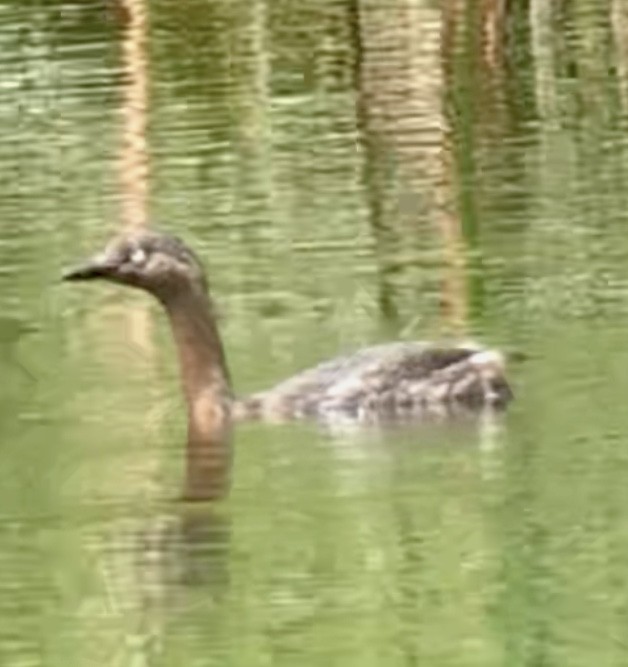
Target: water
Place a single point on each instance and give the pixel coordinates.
(349, 174)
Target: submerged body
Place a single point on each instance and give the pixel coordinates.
(394, 381)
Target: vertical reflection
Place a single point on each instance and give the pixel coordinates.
(250, 100)
(489, 106)
(525, 604)
(133, 18)
(188, 550)
(619, 23)
(440, 560)
(179, 579)
(208, 466)
(544, 38)
(398, 93)
(581, 57)
(454, 286)
(133, 162)
(492, 14)
(375, 176)
(492, 97)
(462, 47)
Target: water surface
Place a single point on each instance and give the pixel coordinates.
(349, 174)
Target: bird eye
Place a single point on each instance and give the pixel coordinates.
(138, 256)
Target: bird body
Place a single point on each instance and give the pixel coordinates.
(396, 381)
(387, 382)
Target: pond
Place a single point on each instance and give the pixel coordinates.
(350, 172)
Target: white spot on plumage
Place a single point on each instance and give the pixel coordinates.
(488, 359)
(138, 256)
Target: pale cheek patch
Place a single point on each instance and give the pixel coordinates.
(138, 256)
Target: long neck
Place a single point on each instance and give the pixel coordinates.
(207, 390)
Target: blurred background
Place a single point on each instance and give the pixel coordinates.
(350, 171)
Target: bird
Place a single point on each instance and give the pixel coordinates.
(384, 383)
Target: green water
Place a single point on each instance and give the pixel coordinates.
(318, 155)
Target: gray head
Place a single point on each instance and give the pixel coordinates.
(160, 264)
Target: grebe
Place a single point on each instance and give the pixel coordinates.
(399, 381)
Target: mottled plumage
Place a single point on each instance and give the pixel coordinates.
(388, 382)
